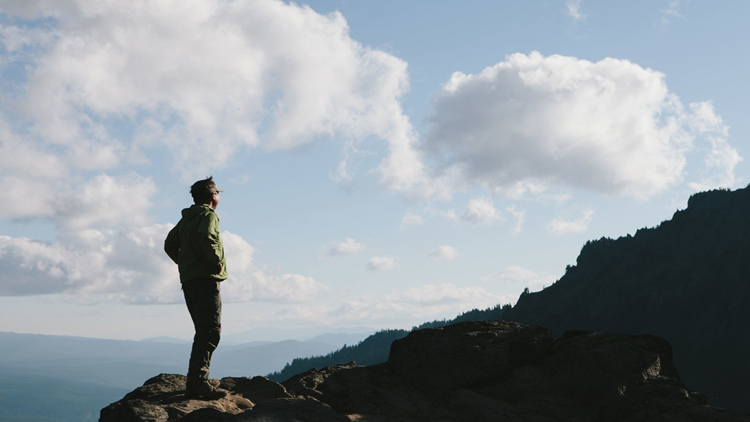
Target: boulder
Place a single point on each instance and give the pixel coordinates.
(163, 399)
(459, 355)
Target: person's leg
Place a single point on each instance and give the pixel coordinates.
(203, 300)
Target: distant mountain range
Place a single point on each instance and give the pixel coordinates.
(687, 280)
(333, 335)
(69, 379)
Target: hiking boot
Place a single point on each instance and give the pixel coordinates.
(206, 389)
(211, 381)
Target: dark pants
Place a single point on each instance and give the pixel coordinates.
(203, 301)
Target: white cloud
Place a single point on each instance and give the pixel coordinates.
(130, 266)
(559, 226)
(574, 9)
(411, 219)
(121, 265)
(403, 170)
(31, 197)
(108, 83)
(101, 85)
(31, 175)
(721, 159)
(346, 247)
(672, 11)
(105, 201)
(381, 263)
(556, 199)
(519, 216)
(533, 122)
(449, 214)
(106, 247)
(102, 201)
(24, 156)
(247, 282)
(444, 253)
(199, 75)
(480, 211)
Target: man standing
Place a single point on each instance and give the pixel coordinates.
(194, 244)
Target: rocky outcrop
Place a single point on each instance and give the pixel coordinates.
(474, 371)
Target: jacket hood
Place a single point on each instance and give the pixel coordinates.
(195, 210)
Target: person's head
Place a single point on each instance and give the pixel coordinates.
(205, 192)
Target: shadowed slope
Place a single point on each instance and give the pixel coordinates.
(687, 280)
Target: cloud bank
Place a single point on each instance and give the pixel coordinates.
(107, 249)
(97, 87)
(197, 75)
(130, 266)
(531, 123)
(93, 89)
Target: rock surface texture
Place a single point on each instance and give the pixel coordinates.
(474, 371)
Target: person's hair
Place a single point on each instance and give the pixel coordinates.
(202, 190)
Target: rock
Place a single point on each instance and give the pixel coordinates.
(463, 354)
(163, 399)
(135, 410)
(355, 389)
(257, 389)
(292, 410)
(473, 371)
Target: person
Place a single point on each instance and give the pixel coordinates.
(195, 245)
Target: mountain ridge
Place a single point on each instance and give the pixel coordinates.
(687, 280)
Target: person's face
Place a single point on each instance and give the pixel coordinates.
(214, 200)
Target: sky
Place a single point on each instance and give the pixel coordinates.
(385, 163)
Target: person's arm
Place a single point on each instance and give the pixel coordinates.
(172, 244)
(210, 240)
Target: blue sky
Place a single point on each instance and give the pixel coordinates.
(385, 162)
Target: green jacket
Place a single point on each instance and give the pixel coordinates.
(195, 245)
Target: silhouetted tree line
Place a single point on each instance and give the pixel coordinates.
(376, 348)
